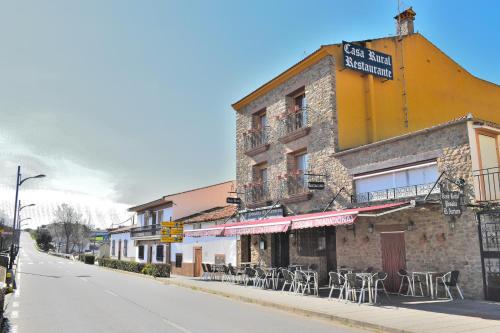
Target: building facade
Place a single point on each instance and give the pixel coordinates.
(121, 246)
(377, 146)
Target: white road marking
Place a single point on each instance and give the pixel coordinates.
(30, 263)
(15, 304)
(13, 329)
(111, 293)
(60, 262)
(174, 325)
(14, 314)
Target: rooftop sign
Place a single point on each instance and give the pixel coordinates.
(367, 61)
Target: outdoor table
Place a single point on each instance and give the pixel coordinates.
(295, 267)
(312, 274)
(272, 271)
(428, 281)
(349, 270)
(368, 278)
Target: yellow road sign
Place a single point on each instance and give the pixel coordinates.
(172, 231)
(172, 224)
(171, 239)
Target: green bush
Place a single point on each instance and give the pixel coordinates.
(156, 270)
(89, 259)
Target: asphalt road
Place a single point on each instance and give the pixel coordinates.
(59, 295)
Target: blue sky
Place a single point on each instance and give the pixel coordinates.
(130, 100)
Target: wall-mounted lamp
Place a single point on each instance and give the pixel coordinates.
(371, 227)
(351, 227)
(262, 244)
(411, 225)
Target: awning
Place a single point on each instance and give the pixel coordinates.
(341, 217)
(267, 226)
(314, 220)
(210, 231)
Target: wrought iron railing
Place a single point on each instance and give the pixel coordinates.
(487, 184)
(293, 121)
(257, 192)
(256, 138)
(147, 230)
(294, 184)
(396, 193)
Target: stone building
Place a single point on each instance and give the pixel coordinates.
(377, 145)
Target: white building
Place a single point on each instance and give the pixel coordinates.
(187, 257)
(121, 245)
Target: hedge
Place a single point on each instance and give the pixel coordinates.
(87, 258)
(156, 270)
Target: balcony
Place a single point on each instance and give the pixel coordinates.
(405, 192)
(257, 195)
(487, 184)
(146, 231)
(256, 141)
(293, 125)
(294, 187)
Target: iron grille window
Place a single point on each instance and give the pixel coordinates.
(141, 252)
(178, 260)
(113, 248)
(311, 242)
(159, 253)
(125, 248)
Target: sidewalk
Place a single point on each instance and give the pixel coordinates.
(404, 314)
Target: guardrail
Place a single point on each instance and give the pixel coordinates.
(487, 184)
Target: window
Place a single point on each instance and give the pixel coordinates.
(113, 248)
(141, 252)
(311, 242)
(159, 218)
(398, 183)
(259, 119)
(125, 247)
(178, 260)
(196, 225)
(302, 162)
(159, 253)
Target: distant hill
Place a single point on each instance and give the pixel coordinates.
(100, 212)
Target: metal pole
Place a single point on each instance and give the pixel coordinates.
(11, 261)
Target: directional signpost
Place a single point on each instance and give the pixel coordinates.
(172, 232)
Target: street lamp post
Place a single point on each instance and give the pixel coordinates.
(19, 182)
(19, 219)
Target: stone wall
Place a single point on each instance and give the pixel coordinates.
(432, 245)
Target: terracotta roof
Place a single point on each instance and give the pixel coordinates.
(212, 214)
(122, 229)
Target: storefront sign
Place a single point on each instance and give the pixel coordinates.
(172, 231)
(256, 214)
(451, 203)
(367, 61)
(316, 185)
(232, 200)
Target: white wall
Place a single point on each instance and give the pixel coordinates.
(210, 246)
(146, 245)
(131, 252)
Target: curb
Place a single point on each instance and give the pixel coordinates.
(292, 309)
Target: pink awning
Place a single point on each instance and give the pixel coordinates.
(281, 224)
(334, 218)
(211, 231)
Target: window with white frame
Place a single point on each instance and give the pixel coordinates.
(409, 181)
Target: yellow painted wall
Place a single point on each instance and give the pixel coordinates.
(438, 90)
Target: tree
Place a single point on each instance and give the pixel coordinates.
(67, 221)
(43, 238)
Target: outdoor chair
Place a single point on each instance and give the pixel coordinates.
(301, 282)
(261, 278)
(288, 278)
(210, 270)
(378, 281)
(417, 280)
(250, 275)
(336, 282)
(205, 275)
(369, 270)
(354, 284)
(405, 277)
(447, 281)
(225, 275)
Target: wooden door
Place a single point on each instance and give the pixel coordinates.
(246, 252)
(197, 261)
(120, 249)
(393, 257)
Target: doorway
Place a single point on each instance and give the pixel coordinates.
(280, 250)
(331, 249)
(246, 252)
(489, 241)
(120, 249)
(393, 257)
(150, 254)
(197, 261)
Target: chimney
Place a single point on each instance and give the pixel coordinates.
(404, 22)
